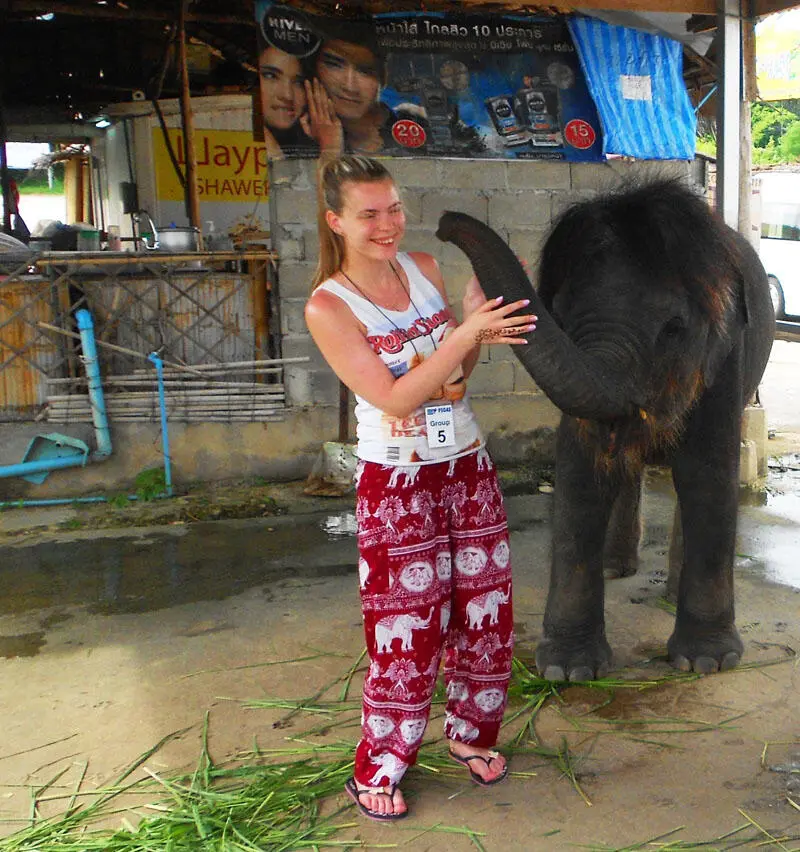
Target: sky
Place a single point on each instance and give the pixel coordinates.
(22, 154)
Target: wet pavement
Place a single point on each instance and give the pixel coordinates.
(112, 639)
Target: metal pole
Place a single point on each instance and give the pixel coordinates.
(187, 122)
(5, 178)
(729, 71)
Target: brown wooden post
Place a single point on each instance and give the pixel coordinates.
(258, 271)
(187, 123)
(344, 412)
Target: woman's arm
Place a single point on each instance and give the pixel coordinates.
(474, 297)
(343, 343)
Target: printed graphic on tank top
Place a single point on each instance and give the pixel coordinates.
(403, 340)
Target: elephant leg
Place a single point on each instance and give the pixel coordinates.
(621, 553)
(706, 475)
(675, 557)
(574, 645)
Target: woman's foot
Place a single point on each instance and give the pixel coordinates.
(486, 766)
(378, 803)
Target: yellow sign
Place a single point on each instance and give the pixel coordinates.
(778, 56)
(230, 165)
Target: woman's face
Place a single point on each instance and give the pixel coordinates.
(372, 221)
(283, 97)
(349, 73)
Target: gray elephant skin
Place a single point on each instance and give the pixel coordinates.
(655, 326)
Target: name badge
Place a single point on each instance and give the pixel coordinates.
(441, 427)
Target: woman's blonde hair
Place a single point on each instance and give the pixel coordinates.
(334, 172)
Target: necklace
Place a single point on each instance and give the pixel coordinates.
(378, 308)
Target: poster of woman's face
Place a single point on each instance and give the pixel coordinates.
(283, 95)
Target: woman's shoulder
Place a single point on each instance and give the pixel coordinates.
(427, 265)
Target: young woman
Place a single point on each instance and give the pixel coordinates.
(434, 567)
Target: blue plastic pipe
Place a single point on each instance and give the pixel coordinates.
(162, 404)
(96, 398)
(97, 401)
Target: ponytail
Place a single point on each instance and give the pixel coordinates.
(334, 172)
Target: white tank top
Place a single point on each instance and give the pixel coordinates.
(403, 339)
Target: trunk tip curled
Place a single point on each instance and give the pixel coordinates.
(447, 222)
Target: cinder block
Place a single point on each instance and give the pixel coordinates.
(298, 174)
(412, 205)
(292, 205)
(527, 245)
(292, 319)
(748, 463)
(290, 249)
(485, 176)
(524, 174)
(599, 177)
(302, 346)
(414, 173)
(754, 428)
(523, 383)
(294, 278)
(435, 202)
(519, 209)
(492, 378)
(324, 387)
(297, 385)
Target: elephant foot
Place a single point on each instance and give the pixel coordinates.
(704, 651)
(557, 661)
(614, 568)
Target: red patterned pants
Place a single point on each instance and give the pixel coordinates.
(435, 575)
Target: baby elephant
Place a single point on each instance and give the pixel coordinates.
(655, 326)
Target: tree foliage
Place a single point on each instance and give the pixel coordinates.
(775, 128)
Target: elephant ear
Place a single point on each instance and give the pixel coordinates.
(748, 276)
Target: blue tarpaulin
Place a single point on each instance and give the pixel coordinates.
(636, 82)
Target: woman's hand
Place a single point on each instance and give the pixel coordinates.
(492, 322)
(321, 122)
(474, 297)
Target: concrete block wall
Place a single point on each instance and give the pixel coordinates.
(519, 199)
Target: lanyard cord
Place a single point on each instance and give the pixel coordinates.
(406, 290)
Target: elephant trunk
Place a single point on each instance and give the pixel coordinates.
(573, 380)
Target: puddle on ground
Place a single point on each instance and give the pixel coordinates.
(769, 520)
(204, 561)
(22, 645)
(343, 524)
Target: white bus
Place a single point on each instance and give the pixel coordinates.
(780, 239)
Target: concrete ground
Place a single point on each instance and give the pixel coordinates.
(111, 640)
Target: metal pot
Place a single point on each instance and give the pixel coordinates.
(177, 240)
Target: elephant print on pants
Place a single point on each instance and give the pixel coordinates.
(488, 604)
(398, 627)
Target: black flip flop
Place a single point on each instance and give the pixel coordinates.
(355, 794)
(464, 761)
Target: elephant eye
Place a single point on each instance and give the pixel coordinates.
(674, 328)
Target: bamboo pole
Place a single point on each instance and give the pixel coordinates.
(187, 123)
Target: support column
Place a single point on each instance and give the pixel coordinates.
(729, 67)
